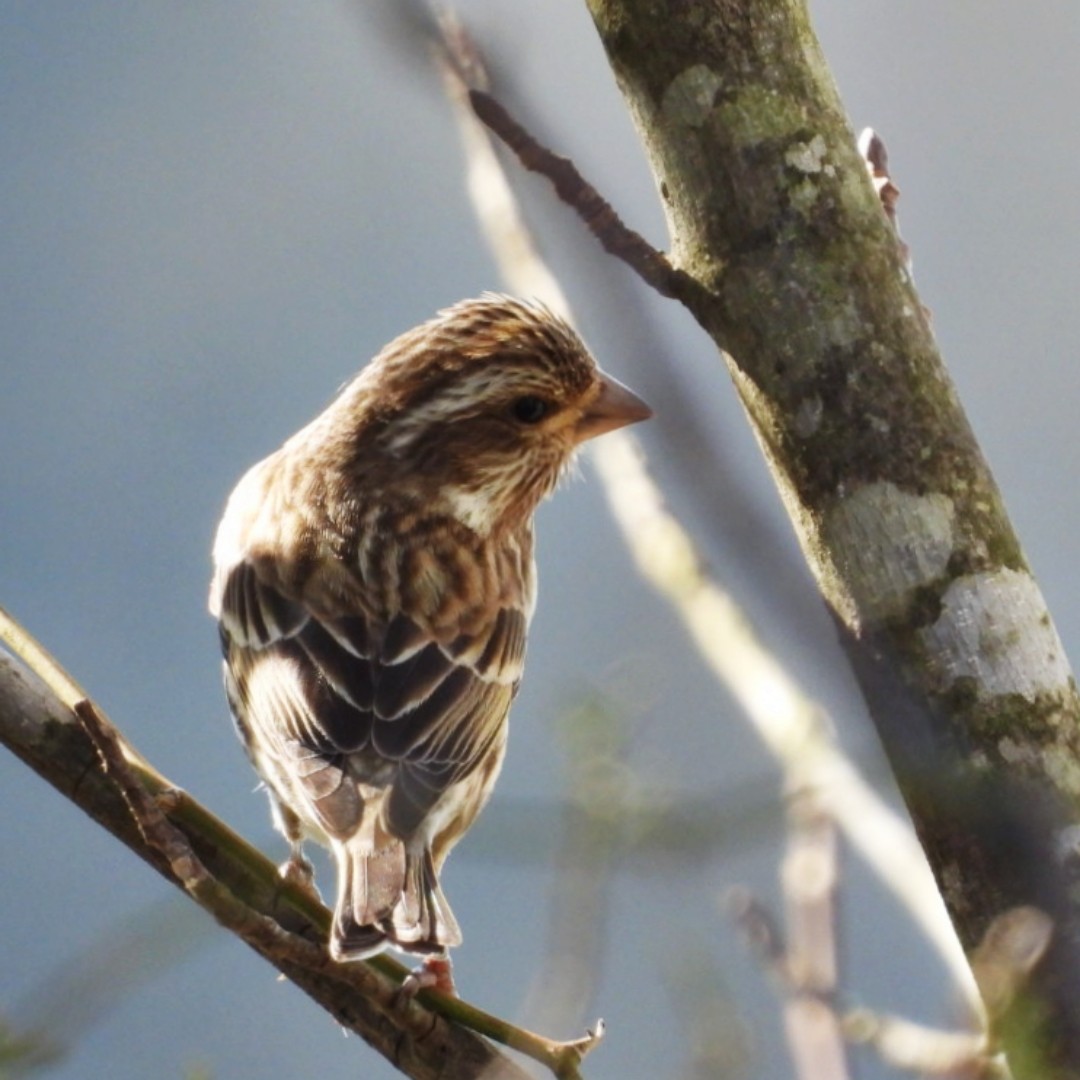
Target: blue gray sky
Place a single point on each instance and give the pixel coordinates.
(212, 215)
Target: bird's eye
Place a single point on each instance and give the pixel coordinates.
(530, 409)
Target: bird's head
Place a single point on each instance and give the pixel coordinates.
(479, 411)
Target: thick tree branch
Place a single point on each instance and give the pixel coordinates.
(803, 285)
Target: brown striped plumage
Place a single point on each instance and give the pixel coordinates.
(374, 582)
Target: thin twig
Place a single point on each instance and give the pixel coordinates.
(188, 869)
(923, 1050)
(595, 211)
(561, 1057)
(598, 215)
(803, 961)
(161, 812)
(39, 660)
(1011, 947)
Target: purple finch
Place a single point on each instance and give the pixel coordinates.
(374, 581)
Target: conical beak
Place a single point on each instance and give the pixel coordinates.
(614, 406)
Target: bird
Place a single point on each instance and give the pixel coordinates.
(374, 580)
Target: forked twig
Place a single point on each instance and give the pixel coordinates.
(154, 804)
(562, 1058)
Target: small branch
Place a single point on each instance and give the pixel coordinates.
(40, 661)
(595, 211)
(66, 745)
(187, 868)
(562, 1057)
(652, 266)
(805, 970)
(916, 1048)
(1011, 948)
(805, 966)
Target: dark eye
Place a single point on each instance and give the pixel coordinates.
(530, 409)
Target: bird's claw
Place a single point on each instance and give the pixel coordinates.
(435, 973)
(300, 873)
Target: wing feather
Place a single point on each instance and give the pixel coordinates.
(254, 613)
(339, 710)
(407, 687)
(350, 676)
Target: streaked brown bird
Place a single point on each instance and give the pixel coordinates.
(374, 581)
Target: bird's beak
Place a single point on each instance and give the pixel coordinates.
(614, 406)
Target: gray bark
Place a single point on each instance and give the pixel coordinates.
(799, 280)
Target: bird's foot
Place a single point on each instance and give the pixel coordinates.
(435, 973)
(300, 873)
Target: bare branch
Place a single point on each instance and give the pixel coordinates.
(244, 891)
(599, 217)
(574, 190)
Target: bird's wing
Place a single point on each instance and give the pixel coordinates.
(334, 707)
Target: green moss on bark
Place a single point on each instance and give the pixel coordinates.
(771, 210)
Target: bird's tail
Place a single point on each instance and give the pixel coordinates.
(389, 897)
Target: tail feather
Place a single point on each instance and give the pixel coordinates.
(389, 897)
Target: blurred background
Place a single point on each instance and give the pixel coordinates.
(212, 215)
